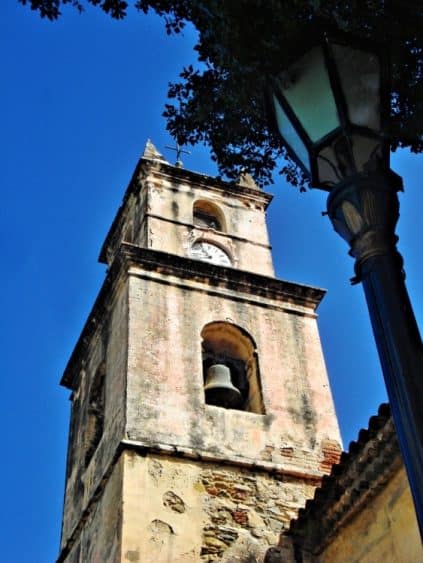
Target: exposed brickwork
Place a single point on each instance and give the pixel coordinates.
(331, 452)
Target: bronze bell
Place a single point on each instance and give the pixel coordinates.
(219, 389)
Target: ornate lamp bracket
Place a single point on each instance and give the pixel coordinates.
(364, 211)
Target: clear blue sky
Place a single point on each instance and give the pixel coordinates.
(78, 99)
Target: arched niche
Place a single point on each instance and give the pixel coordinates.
(208, 215)
(228, 344)
(94, 425)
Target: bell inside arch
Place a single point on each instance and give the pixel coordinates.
(219, 389)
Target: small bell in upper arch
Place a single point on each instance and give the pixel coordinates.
(219, 389)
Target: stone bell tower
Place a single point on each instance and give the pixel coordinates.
(202, 417)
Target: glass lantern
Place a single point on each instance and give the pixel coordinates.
(331, 108)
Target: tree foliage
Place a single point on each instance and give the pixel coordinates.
(242, 42)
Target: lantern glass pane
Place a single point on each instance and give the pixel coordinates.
(327, 167)
(290, 135)
(366, 152)
(333, 166)
(360, 76)
(307, 89)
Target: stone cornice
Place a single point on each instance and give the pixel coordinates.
(314, 477)
(221, 276)
(246, 283)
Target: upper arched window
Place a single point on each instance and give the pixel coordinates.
(230, 361)
(208, 215)
(95, 413)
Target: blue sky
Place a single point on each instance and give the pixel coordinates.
(78, 99)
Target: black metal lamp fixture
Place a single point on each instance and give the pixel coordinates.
(331, 108)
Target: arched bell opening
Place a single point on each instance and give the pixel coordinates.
(230, 368)
(208, 215)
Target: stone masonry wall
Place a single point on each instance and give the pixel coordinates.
(190, 511)
(246, 505)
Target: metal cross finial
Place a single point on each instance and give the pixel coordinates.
(178, 149)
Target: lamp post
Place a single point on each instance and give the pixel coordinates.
(331, 108)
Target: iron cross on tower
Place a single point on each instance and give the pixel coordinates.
(179, 150)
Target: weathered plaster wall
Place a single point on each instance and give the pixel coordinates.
(179, 510)
(170, 223)
(384, 530)
(108, 344)
(165, 380)
(100, 537)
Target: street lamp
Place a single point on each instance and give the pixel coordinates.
(331, 108)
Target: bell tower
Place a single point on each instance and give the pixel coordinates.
(202, 417)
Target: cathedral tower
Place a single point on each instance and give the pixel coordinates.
(201, 417)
